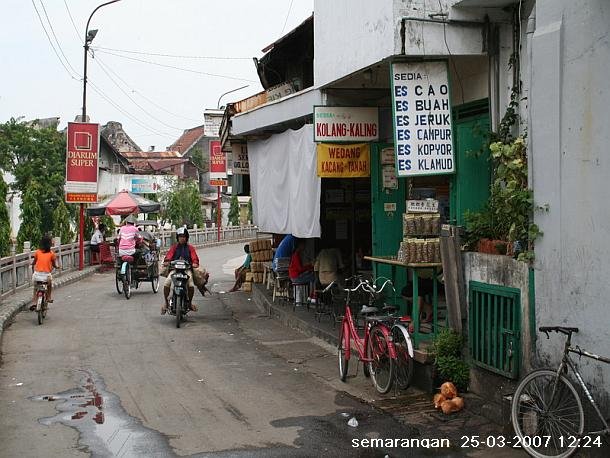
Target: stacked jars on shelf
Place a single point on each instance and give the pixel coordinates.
(421, 243)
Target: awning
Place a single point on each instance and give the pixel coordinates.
(285, 186)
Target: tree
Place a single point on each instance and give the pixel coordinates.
(31, 216)
(199, 160)
(215, 214)
(36, 154)
(250, 210)
(62, 227)
(234, 211)
(181, 204)
(5, 225)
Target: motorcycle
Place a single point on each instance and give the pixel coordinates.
(179, 303)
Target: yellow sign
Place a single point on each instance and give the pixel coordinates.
(344, 161)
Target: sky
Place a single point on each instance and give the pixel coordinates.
(131, 77)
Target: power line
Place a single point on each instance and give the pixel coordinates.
(126, 113)
(142, 95)
(72, 20)
(287, 16)
(51, 43)
(177, 68)
(103, 67)
(171, 55)
(56, 39)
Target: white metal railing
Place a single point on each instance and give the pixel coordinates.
(16, 270)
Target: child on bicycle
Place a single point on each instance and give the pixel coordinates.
(43, 263)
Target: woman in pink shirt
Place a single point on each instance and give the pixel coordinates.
(128, 237)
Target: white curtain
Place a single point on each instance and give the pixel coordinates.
(285, 184)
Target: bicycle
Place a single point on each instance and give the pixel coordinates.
(375, 349)
(400, 337)
(42, 285)
(546, 410)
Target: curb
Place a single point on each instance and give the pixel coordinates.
(11, 309)
(289, 318)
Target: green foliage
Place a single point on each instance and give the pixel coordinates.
(449, 364)
(214, 216)
(453, 369)
(234, 211)
(448, 343)
(181, 204)
(5, 225)
(34, 154)
(31, 216)
(250, 210)
(199, 159)
(109, 223)
(62, 223)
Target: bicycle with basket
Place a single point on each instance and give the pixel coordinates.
(385, 348)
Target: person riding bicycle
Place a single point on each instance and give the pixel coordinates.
(180, 250)
(43, 263)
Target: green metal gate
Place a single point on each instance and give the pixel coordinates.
(495, 328)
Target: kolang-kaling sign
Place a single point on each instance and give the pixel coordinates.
(422, 118)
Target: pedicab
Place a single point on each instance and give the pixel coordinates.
(143, 266)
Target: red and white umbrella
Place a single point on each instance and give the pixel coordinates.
(124, 203)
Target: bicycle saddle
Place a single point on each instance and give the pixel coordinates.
(127, 258)
(365, 310)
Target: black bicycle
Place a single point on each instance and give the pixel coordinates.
(546, 409)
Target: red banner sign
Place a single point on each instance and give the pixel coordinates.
(83, 145)
(218, 162)
(219, 182)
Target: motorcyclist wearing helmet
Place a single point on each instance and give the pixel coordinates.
(181, 250)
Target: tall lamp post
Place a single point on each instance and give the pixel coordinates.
(89, 36)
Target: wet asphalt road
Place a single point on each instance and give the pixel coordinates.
(105, 376)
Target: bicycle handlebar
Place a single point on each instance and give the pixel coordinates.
(564, 330)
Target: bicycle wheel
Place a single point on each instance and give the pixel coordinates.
(179, 306)
(381, 365)
(40, 310)
(127, 282)
(403, 362)
(343, 361)
(155, 278)
(119, 282)
(543, 421)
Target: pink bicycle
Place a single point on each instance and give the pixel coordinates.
(375, 348)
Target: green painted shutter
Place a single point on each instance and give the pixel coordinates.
(470, 185)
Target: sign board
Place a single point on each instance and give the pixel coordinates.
(422, 206)
(82, 153)
(278, 91)
(345, 124)
(218, 163)
(422, 118)
(211, 124)
(341, 161)
(240, 159)
(219, 182)
(144, 186)
(389, 206)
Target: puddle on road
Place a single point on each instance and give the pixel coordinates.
(104, 426)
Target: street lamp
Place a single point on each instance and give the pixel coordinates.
(228, 92)
(89, 36)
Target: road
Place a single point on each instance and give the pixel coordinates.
(106, 376)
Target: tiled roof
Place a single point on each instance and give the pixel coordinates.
(155, 165)
(187, 139)
(150, 155)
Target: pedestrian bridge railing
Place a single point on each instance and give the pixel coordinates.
(16, 270)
